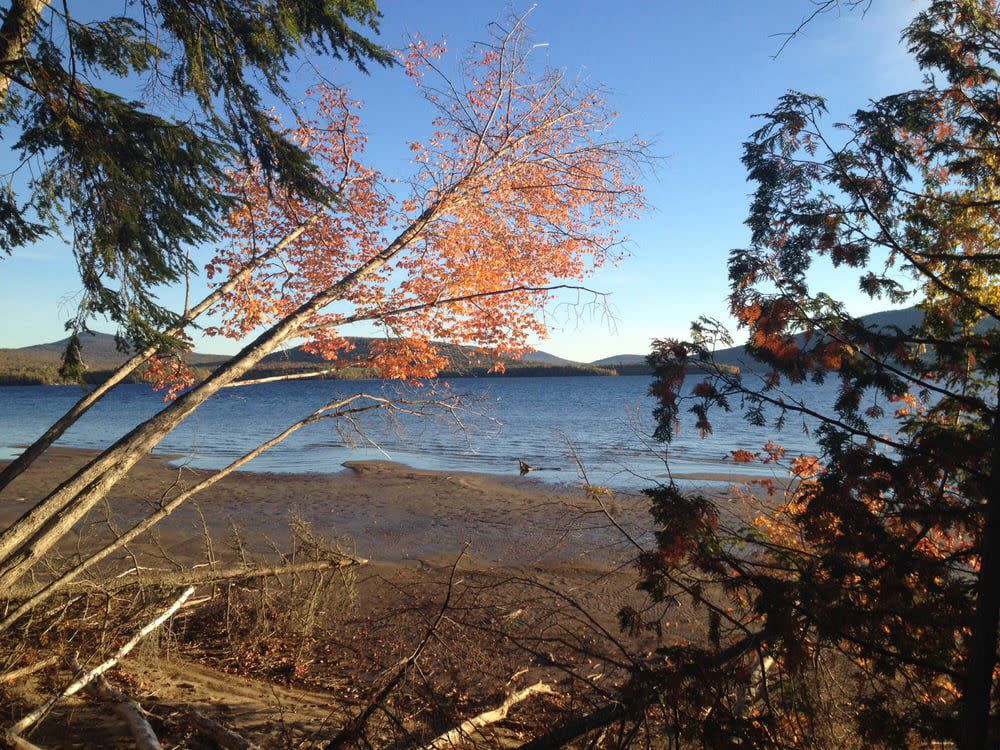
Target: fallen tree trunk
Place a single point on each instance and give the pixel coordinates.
(38, 666)
(143, 734)
(210, 575)
(83, 680)
(452, 737)
(13, 741)
(563, 735)
(176, 579)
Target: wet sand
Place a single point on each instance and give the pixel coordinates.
(385, 511)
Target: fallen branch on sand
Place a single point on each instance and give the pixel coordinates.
(452, 737)
(143, 734)
(224, 738)
(85, 679)
(38, 666)
(11, 740)
(176, 579)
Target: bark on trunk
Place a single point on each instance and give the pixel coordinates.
(83, 680)
(981, 656)
(126, 708)
(240, 573)
(38, 666)
(8, 739)
(454, 737)
(220, 735)
(18, 29)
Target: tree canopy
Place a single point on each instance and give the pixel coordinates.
(134, 182)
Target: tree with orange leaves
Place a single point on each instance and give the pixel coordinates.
(517, 187)
(517, 193)
(881, 564)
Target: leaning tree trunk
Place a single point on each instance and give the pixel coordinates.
(981, 656)
(29, 538)
(67, 420)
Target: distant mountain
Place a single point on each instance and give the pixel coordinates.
(736, 356)
(544, 358)
(100, 352)
(904, 319)
(458, 356)
(40, 363)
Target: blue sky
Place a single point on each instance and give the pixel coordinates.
(689, 75)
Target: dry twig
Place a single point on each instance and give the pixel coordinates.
(143, 734)
(83, 680)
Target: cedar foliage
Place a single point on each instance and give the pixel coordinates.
(880, 564)
(134, 182)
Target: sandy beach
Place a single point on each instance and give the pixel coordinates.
(539, 573)
(385, 511)
(526, 550)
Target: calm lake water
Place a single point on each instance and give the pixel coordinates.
(603, 421)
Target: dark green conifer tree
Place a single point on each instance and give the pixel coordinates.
(130, 180)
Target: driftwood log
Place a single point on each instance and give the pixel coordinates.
(13, 741)
(175, 579)
(220, 735)
(126, 708)
(453, 737)
(38, 666)
(85, 679)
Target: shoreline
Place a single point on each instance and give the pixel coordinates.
(525, 549)
(385, 511)
(388, 511)
(520, 549)
(542, 480)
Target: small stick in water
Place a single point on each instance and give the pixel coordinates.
(525, 467)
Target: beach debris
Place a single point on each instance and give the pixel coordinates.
(38, 666)
(453, 737)
(201, 575)
(126, 708)
(223, 737)
(15, 741)
(85, 679)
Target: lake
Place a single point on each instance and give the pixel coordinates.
(604, 422)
